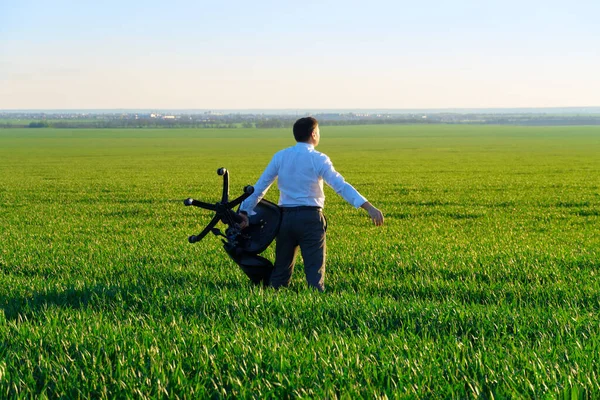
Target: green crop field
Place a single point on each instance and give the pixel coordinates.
(484, 281)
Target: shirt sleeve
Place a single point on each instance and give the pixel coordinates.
(262, 185)
(337, 182)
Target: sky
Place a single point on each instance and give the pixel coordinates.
(66, 54)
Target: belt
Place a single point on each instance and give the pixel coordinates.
(301, 208)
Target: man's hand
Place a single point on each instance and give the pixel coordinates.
(374, 213)
(245, 221)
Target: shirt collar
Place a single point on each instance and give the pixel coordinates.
(306, 145)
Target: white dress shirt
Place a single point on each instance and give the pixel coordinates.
(301, 171)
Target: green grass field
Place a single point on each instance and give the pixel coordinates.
(483, 283)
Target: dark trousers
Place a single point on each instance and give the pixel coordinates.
(301, 228)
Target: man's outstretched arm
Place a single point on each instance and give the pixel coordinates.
(348, 192)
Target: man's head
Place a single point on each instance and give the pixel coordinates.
(307, 130)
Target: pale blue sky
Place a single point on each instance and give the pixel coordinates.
(309, 55)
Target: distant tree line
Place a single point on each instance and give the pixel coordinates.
(40, 124)
(285, 121)
(125, 123)
(273, 123)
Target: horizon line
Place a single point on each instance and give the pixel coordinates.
(296, 110)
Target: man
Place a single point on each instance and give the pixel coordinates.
(301, 171)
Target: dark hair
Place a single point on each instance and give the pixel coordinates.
(303, 128)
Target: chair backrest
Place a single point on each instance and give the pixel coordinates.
(263, 229)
